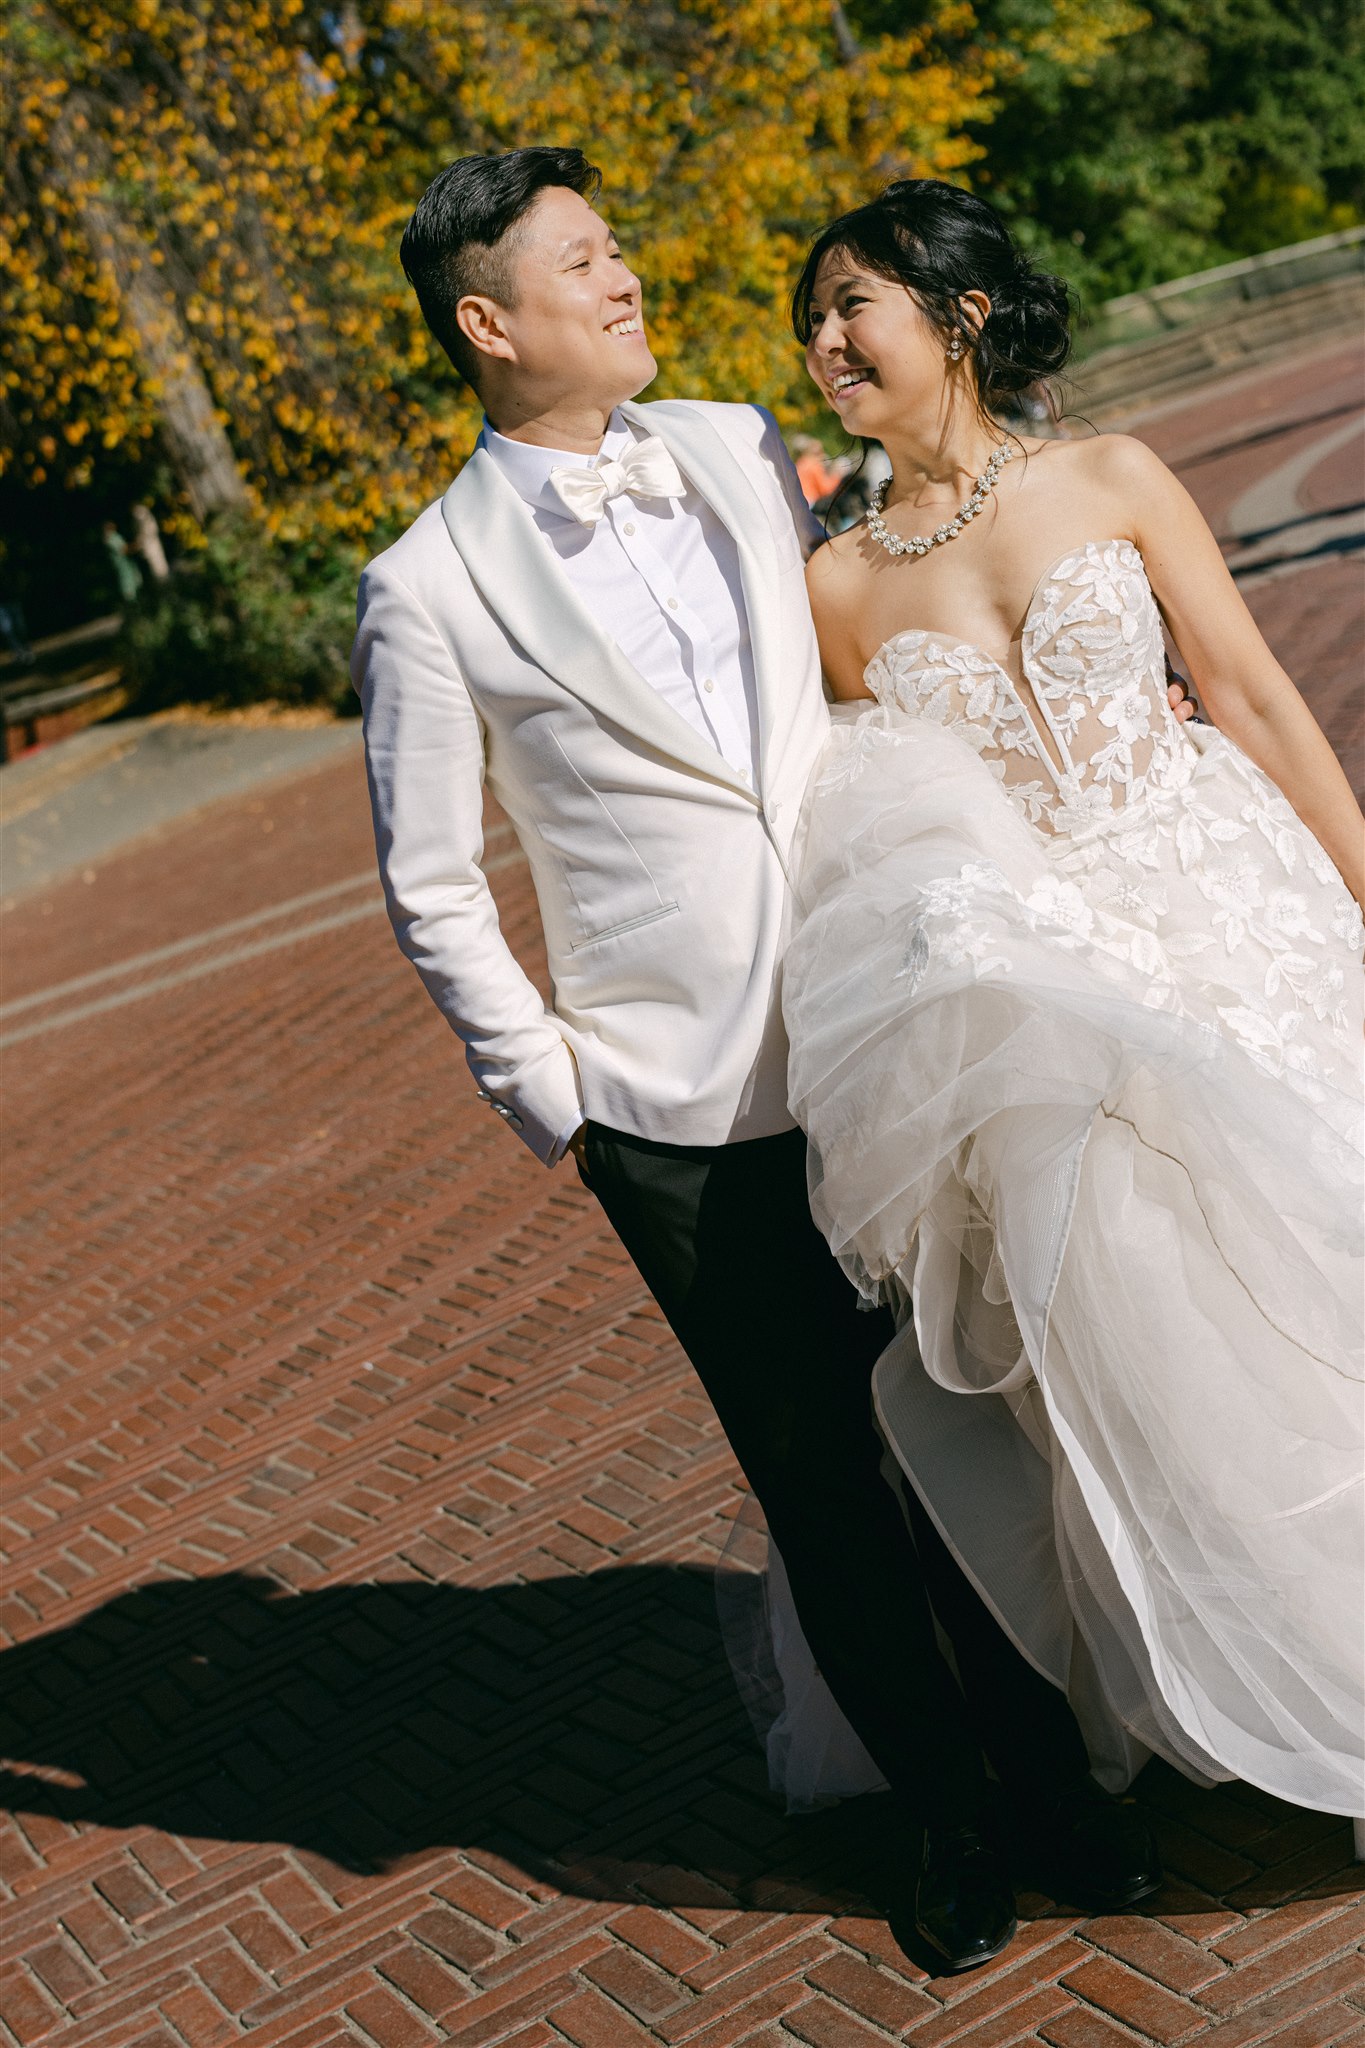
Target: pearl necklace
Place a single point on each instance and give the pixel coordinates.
(920, 543)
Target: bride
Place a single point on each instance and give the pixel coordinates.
(1075, 1008)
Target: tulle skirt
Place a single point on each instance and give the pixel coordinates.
(1126, 1243)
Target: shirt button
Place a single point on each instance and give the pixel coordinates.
(672, 604)
(708, 684)
(629, 527)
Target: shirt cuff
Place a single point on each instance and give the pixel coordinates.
(561, 1144)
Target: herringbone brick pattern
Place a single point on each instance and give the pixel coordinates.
(362, 1677)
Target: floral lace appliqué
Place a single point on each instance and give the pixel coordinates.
(1172, 856)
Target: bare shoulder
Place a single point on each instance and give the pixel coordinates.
(1113, 462)
(837, 561)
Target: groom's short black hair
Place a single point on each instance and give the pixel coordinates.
(460, 239)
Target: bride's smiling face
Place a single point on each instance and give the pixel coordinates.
(873, 352)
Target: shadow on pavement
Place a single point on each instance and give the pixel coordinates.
(585, 1728)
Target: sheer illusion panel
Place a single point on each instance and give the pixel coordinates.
(1075, 739)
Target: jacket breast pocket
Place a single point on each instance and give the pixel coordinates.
(631, 924)
(609, 887)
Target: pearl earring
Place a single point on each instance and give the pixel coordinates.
(956, 349)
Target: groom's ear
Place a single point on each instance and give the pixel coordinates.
(482, 322)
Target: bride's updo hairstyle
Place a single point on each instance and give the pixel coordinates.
(939, 242)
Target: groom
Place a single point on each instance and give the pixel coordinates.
(604, 621)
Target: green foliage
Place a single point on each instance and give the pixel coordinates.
(244, 619)
(200, 204)
(1217, 129)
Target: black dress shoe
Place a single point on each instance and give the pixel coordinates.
(964, 1903)
(1101, 1849)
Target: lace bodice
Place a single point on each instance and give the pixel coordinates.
(1171, 854)
(1081, 740)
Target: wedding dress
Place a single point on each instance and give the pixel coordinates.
(1075, 1008)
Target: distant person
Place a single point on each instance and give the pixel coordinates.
(603, 624)
(1075, 1005)
(147, 541)
(852, 495)
(816, 474)
(14, 630)
(126, 572)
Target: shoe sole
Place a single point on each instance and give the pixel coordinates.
(1132, 1895)
(948, 1967)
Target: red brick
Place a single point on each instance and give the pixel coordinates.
(1016, 2022)
(93, 1926)
(874, 1940)
(131, 1897)
(230, 1978)
(166, 1861)
(976, 1996)
(1081, 2027)
(1148, 1946)
(388, 2021)
(63, 1970)
(592, 2021)
(25, 2010)
(316, 1998)
(488, 2018)
(785, 1964)
(826, 2025)
(1290, 1959)
(741, 2021)
(1331, 2026)
(1256, 2023)
(561, 1936)
(1193, 1913)
(886, 2000)
(643, 1990)
(482, 1897)
(424, 1980)
(1140, 2004)
(453, 1937)
(1267, 1930)
(297, 1903)
(663, 1940)
(264, 1940)
(773, 1932)
(199, 2019)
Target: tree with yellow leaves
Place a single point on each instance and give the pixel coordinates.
(200, 298)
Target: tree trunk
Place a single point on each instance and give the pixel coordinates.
(845, 42)
(199, 450)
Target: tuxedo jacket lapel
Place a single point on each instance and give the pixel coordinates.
(526, 589)
(707, 463)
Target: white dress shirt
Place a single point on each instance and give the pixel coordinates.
(661, 576)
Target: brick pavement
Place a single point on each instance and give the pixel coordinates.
(1312, 613)
(365, 1684)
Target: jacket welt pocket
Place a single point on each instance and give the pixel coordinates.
(630, 924)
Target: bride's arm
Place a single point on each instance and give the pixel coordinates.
(1246, 692)
(828, 580)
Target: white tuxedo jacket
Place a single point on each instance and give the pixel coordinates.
(662, 878)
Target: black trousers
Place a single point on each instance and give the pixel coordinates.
(723, 1238)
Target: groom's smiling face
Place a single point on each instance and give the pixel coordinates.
(571, 327)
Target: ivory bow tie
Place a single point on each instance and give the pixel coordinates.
(646, 471)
